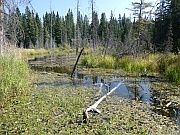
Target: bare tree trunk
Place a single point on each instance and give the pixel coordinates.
(1, 26)
(93, 30)
(77, 62)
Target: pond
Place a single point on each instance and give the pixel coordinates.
(134, 88)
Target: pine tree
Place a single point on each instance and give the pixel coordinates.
(139, 10)
(19, 28)
(27, 27)
(58, 30)
(85, 34)
(69, 26)
(39, 42)
(46, 33)
(102, 31)
(34, 29)
(162, 24)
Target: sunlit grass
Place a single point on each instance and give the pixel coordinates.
(166, 64)
(127, 63)
(137, 64)
(173, 73)
(99, 61)
(14, 78)
(30, 52)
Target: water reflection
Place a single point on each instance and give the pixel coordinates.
(133, 88)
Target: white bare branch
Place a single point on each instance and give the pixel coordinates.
(94, 106)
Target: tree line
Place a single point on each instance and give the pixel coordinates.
(145, 31)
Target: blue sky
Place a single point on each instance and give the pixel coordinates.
(62, 6)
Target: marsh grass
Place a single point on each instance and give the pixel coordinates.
(14, 78)
(170, 67)
(173, 73)
(127, 63)
(32, 52)
(98, 61)
(63, 50)
(167, 65)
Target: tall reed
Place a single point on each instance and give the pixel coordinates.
(14, 77)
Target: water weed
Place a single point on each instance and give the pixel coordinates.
(57, 109)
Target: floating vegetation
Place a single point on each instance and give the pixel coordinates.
(57, 109)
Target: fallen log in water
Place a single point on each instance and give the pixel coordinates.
(94, 106)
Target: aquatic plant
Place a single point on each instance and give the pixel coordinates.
(57, 109)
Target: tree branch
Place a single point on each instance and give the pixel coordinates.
(94, 106)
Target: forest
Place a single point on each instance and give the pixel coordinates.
(143, 32)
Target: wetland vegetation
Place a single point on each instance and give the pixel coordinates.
(51, 102)
(41, 92)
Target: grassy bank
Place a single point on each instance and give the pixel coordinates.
(28, 53)
(168, 65)
(14, 78)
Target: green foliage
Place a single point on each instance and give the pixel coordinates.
(173, 73)
(167, 61)
(90, 61)
(98, 61)
(63, 50)
(14, 78)
(171, 67)
(167, 64)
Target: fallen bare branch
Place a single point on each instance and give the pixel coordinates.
(94, 106)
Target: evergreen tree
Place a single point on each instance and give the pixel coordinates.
(85, 34)
(34, 29)
(19, 28)
(58, 31)
(69, 26)
(46, 33)
(102, 31)
(27, 23)
(162, 23)
(64, 32)
(39, 42)
(139, 10)
(94, 29)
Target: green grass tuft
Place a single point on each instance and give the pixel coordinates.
(14, 77)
